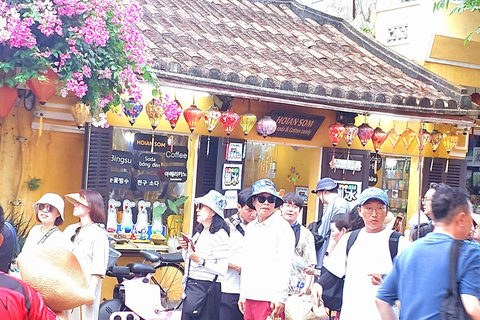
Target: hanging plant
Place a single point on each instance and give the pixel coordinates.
(33, 184)
(92, 46)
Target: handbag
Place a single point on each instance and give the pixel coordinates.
(196, 293)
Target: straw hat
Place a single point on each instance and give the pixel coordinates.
(76, 198)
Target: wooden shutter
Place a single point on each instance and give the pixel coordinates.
(455, 177)
(96, 163)
(207, 166)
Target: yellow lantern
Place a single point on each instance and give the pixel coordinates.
(407, 137)
(80, 112)
(211, 115)
(393, 137)
(247, 122)
(450, 140)
(155, 109)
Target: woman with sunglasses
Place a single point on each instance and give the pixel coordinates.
(206, 257)
(89, 243)
(49, 212)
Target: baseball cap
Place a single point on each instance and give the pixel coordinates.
(325, 184)
(373, 193)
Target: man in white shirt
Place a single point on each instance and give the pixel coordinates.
(368, 260)
(231, 282)
(267, 256)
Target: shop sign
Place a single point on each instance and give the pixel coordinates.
(375, 158)
(372, 178)
(121, 159)
(175, 174)
(296, 126)
(143, 142)
(343, 164)
(231, 177)
(147, 182)
(178, 154)
(235, 152)
(148, 161)
(350, 191)
(119, 180)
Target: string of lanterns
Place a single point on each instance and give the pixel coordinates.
(364, 132)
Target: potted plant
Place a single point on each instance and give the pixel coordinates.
(89, 48)
(174, 219)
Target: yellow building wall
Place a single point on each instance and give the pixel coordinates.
(55, 157)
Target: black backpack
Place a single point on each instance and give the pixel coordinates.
(452, 307)
(318, 239)
(332, 285)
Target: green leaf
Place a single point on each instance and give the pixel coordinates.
(171, 205)
(181, 201)
(159, 210)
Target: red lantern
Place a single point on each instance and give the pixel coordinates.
(192, 115)
(9, 96)
(365, 132)
(378, 138)
(336, 132)
(43, 90)
(229, 120)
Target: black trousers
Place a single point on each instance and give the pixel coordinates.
(229, 307)
(211, 309)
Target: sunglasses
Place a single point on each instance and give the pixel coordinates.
(43, 206)
(262, 199)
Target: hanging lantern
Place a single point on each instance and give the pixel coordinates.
(229, 120)
(423, 138)
(9, 96)
(450, 140)
(266, 126)
(407, 137)
(336, 132)
(172, 113)
(350, 133)
(155, 110)
(192, 115)
(211, 115)
(247, 121)
(393, 136)
(43, 90)
(436, 139)
(80, 112)
(365, 133)
(132, 110)
(378, 138)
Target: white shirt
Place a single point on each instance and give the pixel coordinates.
(231, 281)
(369, 254)
(267, 259)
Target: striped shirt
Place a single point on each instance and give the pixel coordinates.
(215, 250)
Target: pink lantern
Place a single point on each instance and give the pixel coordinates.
(365, 133)
(266, 126)
(172, 113)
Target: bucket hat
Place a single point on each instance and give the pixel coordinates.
(264, 186)
(76, 198)
(214, 200)
(52, 199)
(325, 184)
(373, 193)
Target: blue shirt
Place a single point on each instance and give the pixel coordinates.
(419, 278)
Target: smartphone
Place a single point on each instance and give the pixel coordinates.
(188, 240)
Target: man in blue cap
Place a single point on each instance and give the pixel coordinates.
(369, 258)
(333, 204)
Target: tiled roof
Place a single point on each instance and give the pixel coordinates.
(281, 48)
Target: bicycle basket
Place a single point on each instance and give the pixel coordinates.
(113, 256)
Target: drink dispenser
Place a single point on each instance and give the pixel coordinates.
(127, 217)
(112, 215)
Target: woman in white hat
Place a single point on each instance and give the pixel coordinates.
(206, 259)
(49, 212)
(89, 243)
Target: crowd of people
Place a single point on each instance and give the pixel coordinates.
(261, 263)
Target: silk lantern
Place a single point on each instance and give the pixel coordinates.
(172, 113)
(393, 137)
(336, 132)
(229, 120)
(423, 138)
(407, 137)
(247, 121)
(378, 138)
(192, 115)
(132, 110)
(266, 126)
(450, 140)
(44, 89)
(9, 96)
(435, 141)
(80, 112)
(211, 115)
(365, 133)
(350, 133)
(155, 109)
